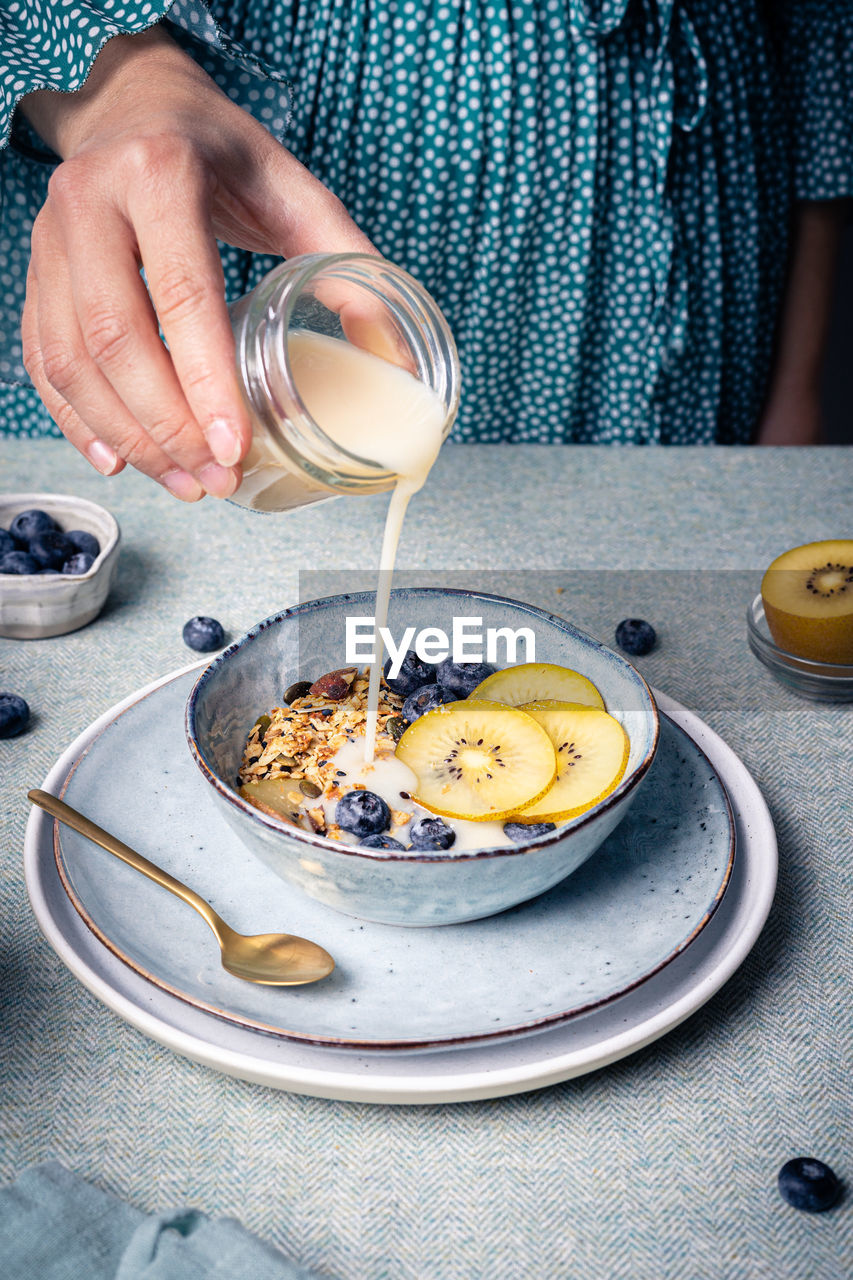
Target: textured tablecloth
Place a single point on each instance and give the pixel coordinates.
(662, 1165)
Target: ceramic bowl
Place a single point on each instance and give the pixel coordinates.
(249, 677)
(818, 681)
(34, 607)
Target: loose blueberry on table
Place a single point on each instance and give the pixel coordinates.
(636, 636)
(203, 634)
(425, 699)
(14, 715)
(363, 813)
(809, 1184)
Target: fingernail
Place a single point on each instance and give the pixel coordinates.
(218, 481)
(102, 457)
(182, 485)
(224, 442)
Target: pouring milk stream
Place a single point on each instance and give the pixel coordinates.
(332, 417)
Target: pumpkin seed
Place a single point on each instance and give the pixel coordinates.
(297, 690)
(396, 726)
(310, 789)
(261, 724)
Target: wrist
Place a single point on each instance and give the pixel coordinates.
(66, 120)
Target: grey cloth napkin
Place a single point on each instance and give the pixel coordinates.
(56, 1226)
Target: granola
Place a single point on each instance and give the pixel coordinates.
(298, 742)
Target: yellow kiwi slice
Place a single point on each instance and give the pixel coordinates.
(808, 600)
(535, 681)
(270, 795)
(478, 760)
(592, 753)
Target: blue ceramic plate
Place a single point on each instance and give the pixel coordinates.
(624, 915)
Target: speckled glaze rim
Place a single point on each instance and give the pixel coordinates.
(628, 783)
(336, 1042)
(49, 581)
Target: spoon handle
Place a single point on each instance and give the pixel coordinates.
(71, 817)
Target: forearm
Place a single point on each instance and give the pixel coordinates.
(791, 414)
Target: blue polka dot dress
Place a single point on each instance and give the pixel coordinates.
(597, 192)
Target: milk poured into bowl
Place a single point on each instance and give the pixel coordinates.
(378, 412)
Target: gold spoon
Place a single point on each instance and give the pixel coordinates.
(275, 959)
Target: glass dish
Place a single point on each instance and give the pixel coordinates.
(820, 681)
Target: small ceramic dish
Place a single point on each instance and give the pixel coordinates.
(33, 607)
(820, 681)
(427, 888)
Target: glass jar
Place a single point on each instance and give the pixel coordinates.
(358, 299)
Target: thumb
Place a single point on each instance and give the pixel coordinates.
(311, 219)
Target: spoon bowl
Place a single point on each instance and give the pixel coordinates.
(273, 959)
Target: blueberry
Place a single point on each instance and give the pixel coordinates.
(7, 542)
(380, 841)
(521, 832)
(29, 524)
(50, 550)
(84, 541)
(81, 562)
(14, 715)
(431, 833)
(462, 678)
(203, 634)
(18, 562)
(427, 698)
(363, 813)
(809, 1184)
(635, 636)
(414, 674)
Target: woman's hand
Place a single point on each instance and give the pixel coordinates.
(157, 164)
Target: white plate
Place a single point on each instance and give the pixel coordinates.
(461, 1073)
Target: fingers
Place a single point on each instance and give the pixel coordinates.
(78, 396)
(119, 331)
(300, 215)
(177, 245)
(102, 353)
(100, 455)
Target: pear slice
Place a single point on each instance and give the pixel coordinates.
(536, 681)
(808, 600)
(478, 760)
(270, 795)
(592, 754)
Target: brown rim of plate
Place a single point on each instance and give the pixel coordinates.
(336, 1042)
